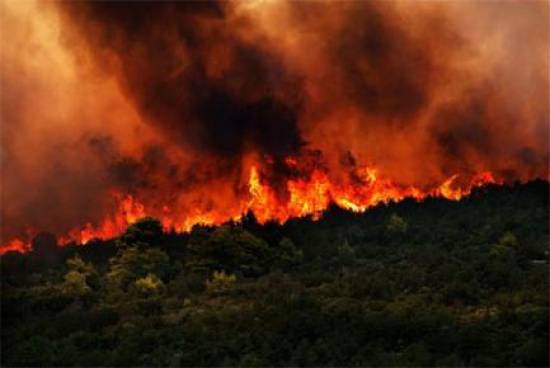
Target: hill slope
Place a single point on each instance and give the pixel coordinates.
(432, 283)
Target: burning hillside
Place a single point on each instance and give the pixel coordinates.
(200, 112)
(305, 196)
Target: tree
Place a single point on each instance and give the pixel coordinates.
(396, 225)
(80, 279)
(508, 239)
(76, 264)
(346, 254)
(146, 232)
(220, 282)
(230, 249)
(132, 263)
(149, 285)
(287, 254)
(75, 285)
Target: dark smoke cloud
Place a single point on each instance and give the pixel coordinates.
(460, 128)
(170, 100)
(385, 72)
(193, 78)
(194, 75)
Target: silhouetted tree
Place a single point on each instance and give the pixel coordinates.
(146, 232)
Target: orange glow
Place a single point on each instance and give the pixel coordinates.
(129, 211)
(16, 245)
(309, 195)
(210, 113)
(446, 189)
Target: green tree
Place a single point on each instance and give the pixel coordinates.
(133, 263)
(346, 254)
(396, 225)
(149, 285)
(287, 254)
(75, 285)
(146, 232)
(220, 282)
(508, 239)
(505, 249)
(230, 249)
(76, 264)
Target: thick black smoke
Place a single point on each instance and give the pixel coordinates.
(174, 102)
(192, 77)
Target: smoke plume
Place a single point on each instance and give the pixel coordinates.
(176, 103)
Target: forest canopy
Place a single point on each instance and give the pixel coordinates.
(435, 283)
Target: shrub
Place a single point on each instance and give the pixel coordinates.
(220, 282)
(396, 225)
(149, 285)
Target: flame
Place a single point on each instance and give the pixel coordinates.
(446, 189)
(15, 245)
(96, 133)
(306, 195)
(129, 211)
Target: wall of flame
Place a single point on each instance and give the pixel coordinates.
(197, 112)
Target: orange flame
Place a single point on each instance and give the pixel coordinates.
(309, 195)
(15, 245)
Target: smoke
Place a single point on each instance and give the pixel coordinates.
(53, 106)
(174, 101)
(193, 78)
(423, 90)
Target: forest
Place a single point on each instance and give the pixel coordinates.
(431, 283)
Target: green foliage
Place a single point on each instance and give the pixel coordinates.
(231, 249)
(287, 255)
(92, 278)
(133, 263)
(146, 232)
(75, 285)
(346, 254)
(149, 285)
(454, 285)
(396, 225)
(48, 299)
(509, 240)
(220, 282)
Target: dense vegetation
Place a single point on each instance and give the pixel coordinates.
(408, 284)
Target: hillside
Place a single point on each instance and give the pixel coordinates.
(412, 283)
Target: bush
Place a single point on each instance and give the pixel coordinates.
(396, 225)
(146, 232)
(230, 249)
(149, 285)
(75, 285)
(346, 254)
(220, 282)
(287, 254)
(76, 264)
(132, 263)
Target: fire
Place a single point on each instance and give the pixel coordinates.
(446, 190)
(128, 212)
(260, 196)
(16, 245)
(307, 195)
(215, 111)
(450, 191)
